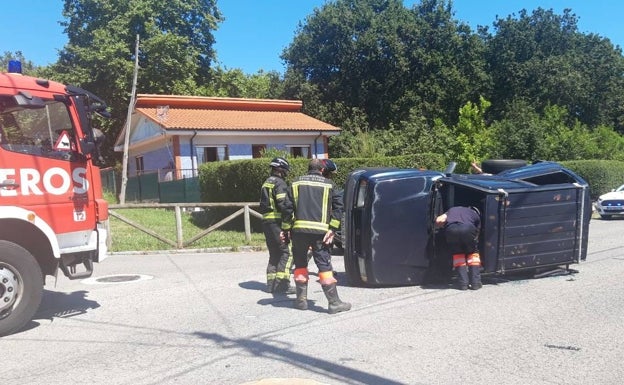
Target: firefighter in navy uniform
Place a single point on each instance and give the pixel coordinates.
(274, 202)
(317, 210)
(461, 230)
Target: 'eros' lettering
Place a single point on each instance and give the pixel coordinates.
(55, 181)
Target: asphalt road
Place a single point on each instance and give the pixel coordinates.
(205, 319)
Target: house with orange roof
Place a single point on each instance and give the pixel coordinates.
(171, 132)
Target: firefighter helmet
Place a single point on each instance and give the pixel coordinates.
(280, 163)
(329, 166)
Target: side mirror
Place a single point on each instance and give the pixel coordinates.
(91, 145)
(87, 146)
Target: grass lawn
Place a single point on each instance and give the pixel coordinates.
(162, 221)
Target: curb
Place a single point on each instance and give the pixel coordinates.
(232, 249)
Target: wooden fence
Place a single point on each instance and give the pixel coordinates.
(245, 210)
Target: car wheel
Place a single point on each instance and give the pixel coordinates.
(494, 166)
(604, 216)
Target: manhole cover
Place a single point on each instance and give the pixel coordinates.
(119, 278)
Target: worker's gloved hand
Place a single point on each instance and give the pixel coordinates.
(329, 237)
(285, 236)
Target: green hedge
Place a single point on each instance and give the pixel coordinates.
(602, 175)
(240, 180)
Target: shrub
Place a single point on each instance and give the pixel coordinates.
(602, 175)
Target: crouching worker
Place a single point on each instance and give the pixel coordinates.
(317, 211)
(274, 202)
(461, 226)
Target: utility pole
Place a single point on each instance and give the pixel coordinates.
(124, 172)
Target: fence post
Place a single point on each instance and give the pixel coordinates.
(178, 218)
(247, 225)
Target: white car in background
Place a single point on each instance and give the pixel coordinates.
(611, 203)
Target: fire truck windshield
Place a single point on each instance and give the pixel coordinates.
(46, 131)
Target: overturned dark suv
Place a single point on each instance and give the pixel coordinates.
(534, 218)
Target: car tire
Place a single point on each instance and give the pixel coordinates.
(494, 166)
(607, 217)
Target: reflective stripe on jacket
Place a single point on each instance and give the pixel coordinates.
(317, 204)
(274, 201)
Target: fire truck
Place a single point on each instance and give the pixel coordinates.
(52, 213)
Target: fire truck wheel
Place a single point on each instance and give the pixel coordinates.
(21, 287)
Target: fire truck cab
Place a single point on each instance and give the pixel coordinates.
(52, 213)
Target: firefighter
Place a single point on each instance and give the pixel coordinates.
(317, 209)
(274, 202)
(461, 230)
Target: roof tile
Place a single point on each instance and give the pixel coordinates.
(211, 119)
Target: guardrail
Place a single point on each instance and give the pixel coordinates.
(245, 210)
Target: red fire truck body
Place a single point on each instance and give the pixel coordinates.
(52, 213)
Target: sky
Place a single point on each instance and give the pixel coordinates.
(255, 33)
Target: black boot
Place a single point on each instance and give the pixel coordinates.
(301, 302)
(462, 277)
(270, 288)
(335, 304)
(283, 287)
(475, 277)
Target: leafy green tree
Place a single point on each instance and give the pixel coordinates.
(416, 135)
(235, 83)
(519, 134)
(356, 145)
(385, 60)
(473, 140)
(542, 58)
(562, 142)
(176, 50)
(609, 144)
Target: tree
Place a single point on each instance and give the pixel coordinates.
(542, 58)
(235, 83)
(473, 139)
(385, 60)
(562, 142)
(609, 144)
(519, 135)
(176, 49)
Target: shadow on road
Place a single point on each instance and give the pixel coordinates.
(331, 369)
(61, 305)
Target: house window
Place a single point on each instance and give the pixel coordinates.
(299, 151)
(212, 154)
(257, 150)
(138, 161)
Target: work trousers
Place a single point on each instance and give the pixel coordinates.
(302, 242)
(280, 260)
(462, 238)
